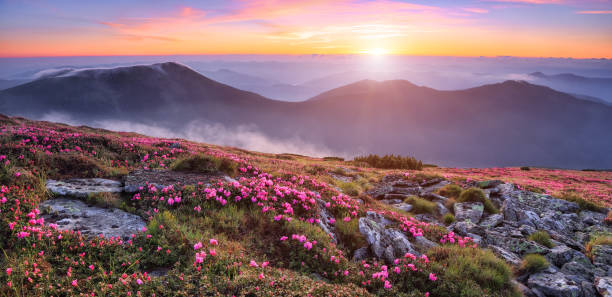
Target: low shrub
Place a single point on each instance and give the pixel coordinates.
(542, 238)
(390, 162)
(525, 168)
(469, 272)
(597, 239)
(608, 219)
(349, 188)
(448, 218)
(533, 263)
(450, 191)
(315, 169)
(477, 195)
(333, 159)
(205, 164)
(420, 205)
(582, 203)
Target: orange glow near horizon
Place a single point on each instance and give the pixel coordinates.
(319, 27)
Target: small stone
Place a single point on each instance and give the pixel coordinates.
(554, 284)
(469, 211)
(604, 286)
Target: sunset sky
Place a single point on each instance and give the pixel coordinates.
(531, 28)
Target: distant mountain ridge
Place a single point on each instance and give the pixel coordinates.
(588, 88)
(504, 124)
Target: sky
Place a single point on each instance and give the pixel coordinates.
(524, 28)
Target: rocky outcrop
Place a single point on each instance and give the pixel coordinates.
(82, 187)
(325, 221)
(553, 284)
(385, 243)
(70, 214)
(507, 234)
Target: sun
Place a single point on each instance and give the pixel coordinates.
(375, 51)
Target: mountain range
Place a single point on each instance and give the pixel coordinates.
(504, 124)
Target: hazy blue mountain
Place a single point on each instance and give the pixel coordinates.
(598, 87)
(503, 124)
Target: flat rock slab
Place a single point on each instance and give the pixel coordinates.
(70, 214)
(81, 187)
(163, 178)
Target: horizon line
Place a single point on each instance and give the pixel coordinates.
(311, 54)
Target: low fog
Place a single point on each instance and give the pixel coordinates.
(243, 136)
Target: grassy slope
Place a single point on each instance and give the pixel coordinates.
(274, 198)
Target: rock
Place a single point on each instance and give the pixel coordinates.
(591, 217)
(175, 145)
(406, 191)
(380, 191)
(390, 201)
(527, 230)
(433, 197)
(324, 221)
(554, 284)
(507, 256)
(588, 289)
(492, 221)
(403, 206)
(71, 214)
(464, 228)
(378, 218)
(385, 243)
(523, 289)
(431, 182)
(441, 209)
(468, 211)
(423, 244)
(528, 217)
(604, 286)
(560, 255)
(579, 270)
(82, 187)
(519, 246)
(435, 187)
(399, 197)
(361, 254)
(602, 256)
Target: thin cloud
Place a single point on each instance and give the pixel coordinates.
(594, 12)
(476, 10)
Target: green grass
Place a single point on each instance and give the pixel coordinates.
(390, 162)
(450, 191)
(448, 218)
(533, 263)
(477, 195)
(420, 205)
(201, 163)
(597, 239)
(349, 236)
(470, 272)
(542, 238)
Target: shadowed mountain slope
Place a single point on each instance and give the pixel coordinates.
(509, 123)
